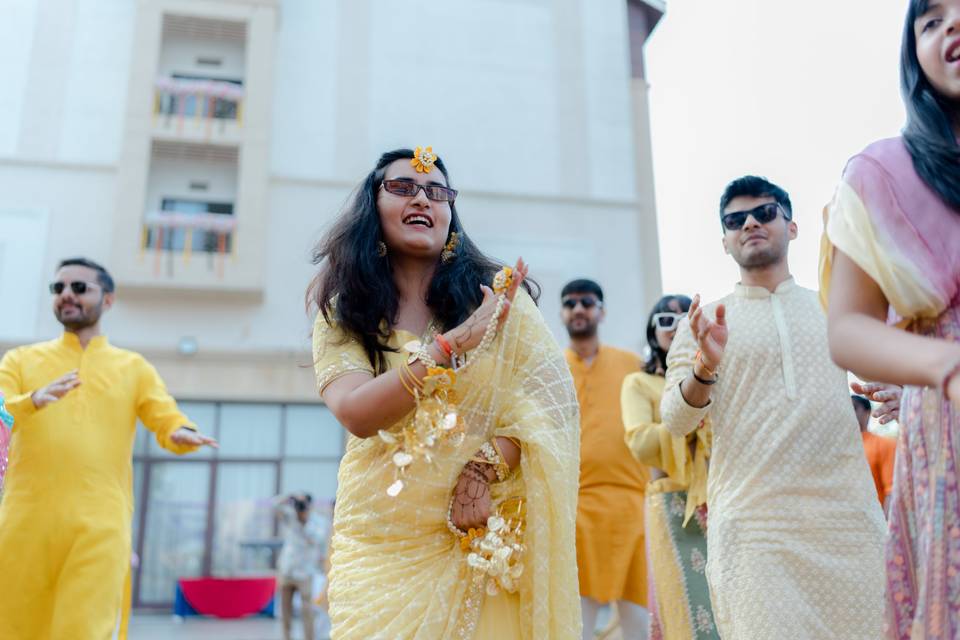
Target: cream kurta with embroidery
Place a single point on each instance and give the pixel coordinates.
(796, 535)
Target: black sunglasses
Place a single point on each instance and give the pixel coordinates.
(78, 287)
(587, 302)
(410, 189)
(763, 214)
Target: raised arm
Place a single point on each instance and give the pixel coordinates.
(158, 411)
(364, 403)
(692, 369)
(22, 402)
(16, 398)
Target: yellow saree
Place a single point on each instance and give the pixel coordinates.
(397, 572)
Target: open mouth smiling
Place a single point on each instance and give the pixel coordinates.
(953, 51)
(419, 219)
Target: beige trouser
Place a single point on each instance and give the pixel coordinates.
(305, 587)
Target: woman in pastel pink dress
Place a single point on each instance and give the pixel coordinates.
(890, 270)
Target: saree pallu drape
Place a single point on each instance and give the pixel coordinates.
(396, 571)
(897, 230)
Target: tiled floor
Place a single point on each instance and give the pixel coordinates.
(166, 627)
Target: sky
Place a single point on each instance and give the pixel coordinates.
(786, 90)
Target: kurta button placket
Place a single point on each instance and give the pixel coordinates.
(786, 347)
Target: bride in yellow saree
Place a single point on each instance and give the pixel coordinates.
(460, 526)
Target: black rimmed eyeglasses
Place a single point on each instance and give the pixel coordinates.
(409, 189)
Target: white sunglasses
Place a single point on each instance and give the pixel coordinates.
(666, 321)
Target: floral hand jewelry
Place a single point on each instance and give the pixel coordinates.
(436, 418)
(503, 280)
(501, 284)
(495, 553)
(423, 159)
(490, 454)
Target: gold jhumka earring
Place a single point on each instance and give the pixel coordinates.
(450, 249)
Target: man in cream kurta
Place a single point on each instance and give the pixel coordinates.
(796, 534)
(68, 499)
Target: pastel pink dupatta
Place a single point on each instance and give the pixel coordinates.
(895, 228)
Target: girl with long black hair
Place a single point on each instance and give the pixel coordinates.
(457, 492)
(890, 272)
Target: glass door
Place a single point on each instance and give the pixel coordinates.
(243, 540)
(174, 538)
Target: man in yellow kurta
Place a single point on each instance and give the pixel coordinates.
(68, 500)
(611, 556)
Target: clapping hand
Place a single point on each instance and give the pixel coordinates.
(886, 394)
(469, 334)
(55, 390)
(711, 335)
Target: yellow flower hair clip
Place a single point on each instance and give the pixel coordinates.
(423, 159)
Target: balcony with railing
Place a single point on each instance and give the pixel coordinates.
(201, 191)
(188, 228)
(174, 237)
(197, 109)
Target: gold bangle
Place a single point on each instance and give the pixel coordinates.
(411, 388)
(494, 458)
(405, 384)
(414, 378)
(503, 469)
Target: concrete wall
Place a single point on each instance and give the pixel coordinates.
(528, 101)
(179, 56)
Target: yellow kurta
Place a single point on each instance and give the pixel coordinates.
(68, 497)
(611, 557)
(676, 538)
(682, 458)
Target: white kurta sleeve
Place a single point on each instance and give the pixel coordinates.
(678, 416)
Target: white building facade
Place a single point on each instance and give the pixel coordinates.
(199, 148)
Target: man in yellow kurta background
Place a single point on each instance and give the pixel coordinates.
(611, 556)
(68, 500)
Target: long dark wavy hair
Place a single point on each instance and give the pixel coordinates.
(929, 133)
(657, 358)
(354, 286)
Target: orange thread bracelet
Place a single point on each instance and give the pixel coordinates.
(699, 358)
(444, 345)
